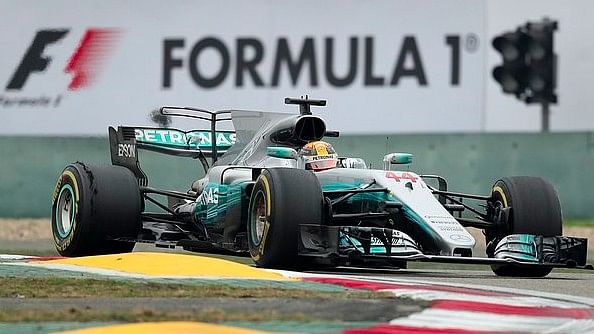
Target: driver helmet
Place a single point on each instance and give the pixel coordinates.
(318, 155)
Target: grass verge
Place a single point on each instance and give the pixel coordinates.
(147, 314)
(579, 222)
(57, 287)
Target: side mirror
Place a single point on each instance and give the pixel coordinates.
(281, 152)
(397, 159)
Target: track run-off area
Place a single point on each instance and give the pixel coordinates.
(454, 301)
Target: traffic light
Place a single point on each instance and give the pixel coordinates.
(541, 77)
(511, 74)
(529, 62)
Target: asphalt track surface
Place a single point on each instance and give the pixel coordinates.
(423, 282)
(570, 282)
(578, 283)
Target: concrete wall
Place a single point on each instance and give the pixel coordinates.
(29, 166)
(473, 162)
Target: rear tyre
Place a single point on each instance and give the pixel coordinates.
(523, 205)
(93, 205)
(282, 199)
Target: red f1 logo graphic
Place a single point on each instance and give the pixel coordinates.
(84, 64)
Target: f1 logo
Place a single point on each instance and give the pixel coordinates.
(83, 63)
(34, 61)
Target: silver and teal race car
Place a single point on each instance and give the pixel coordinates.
(258, 199)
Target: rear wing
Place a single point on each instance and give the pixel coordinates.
(125, 142)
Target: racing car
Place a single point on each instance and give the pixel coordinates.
(273, 190)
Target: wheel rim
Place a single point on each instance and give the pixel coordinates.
(501, 203)
(496, 215)
(258, 218)
(65, 211)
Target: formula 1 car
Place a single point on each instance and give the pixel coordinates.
(258, 199)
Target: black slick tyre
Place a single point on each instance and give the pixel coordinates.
(91, 206)
(281, 199)
(535, 209)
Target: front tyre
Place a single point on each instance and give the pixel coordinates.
(523, 205)
(281, 199)
(93, 205)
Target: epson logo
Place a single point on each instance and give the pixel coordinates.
(127, 150)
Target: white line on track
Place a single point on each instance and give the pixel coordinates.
(436, 318)
(14, 257)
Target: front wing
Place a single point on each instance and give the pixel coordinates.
(348, 245)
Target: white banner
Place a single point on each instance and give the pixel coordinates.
(72, 67)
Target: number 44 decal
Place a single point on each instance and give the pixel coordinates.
(397, 176)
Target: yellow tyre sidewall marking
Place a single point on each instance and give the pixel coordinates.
(268, 195)
(61, 245)
(73, 178)
(263, 242)
(499, 190)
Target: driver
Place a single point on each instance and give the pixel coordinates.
(318, 156)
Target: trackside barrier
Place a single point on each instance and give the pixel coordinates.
(29, 166)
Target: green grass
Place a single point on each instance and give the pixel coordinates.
(52, 287)
(58, 287)
(584, 222)
(143, 314)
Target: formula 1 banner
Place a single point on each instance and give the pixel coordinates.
(72, 67)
